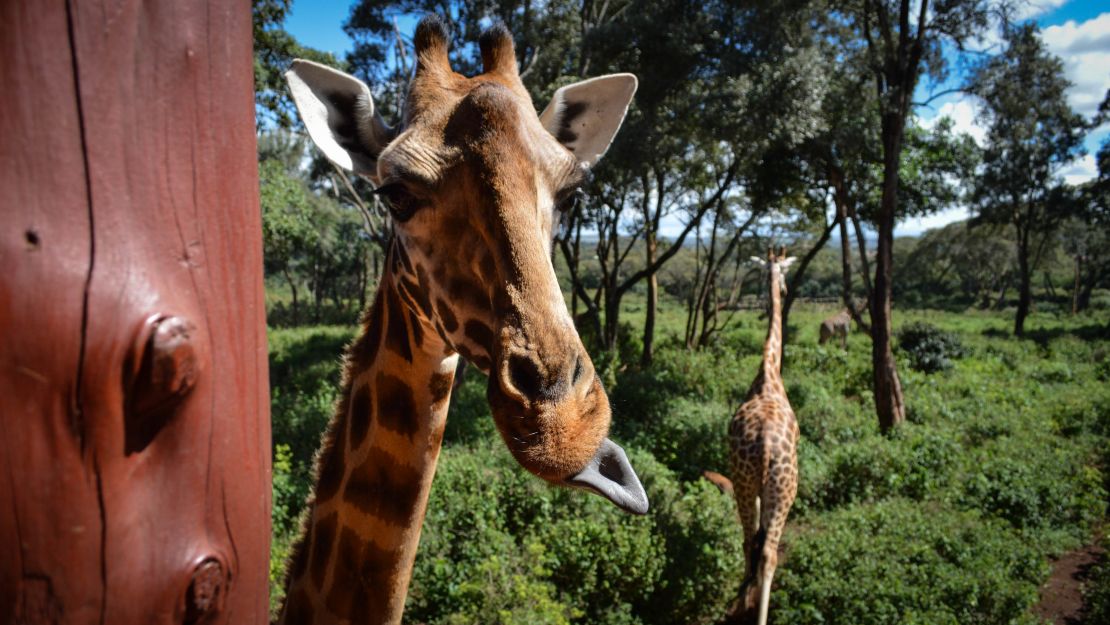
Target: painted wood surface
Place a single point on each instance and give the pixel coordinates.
(134, 403)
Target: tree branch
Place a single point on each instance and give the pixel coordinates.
(677, 245)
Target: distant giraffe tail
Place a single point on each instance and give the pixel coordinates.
(751, 585)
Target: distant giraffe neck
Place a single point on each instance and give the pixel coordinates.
(375, 470)
(772, 347)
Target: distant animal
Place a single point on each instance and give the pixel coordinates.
(763, 440)
(837, 325)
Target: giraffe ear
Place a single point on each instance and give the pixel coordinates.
(785, 264)
(610, 475)
(585, 116)
(339, 114)
(759, 261)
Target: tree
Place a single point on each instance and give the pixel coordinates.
(287, 223)
(1032, 133)
(971, 265)
(274, 50)
(900, 39)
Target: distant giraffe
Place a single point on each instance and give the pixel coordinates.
(840, 325)
(763, 437)
(475, 182)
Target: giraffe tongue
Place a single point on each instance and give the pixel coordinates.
(610, 475)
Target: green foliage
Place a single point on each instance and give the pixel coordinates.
(1035, 485)
(901, 562)
(500, 546)
(929, 348)
(1096, 593)
(949, 519)
(274, 50)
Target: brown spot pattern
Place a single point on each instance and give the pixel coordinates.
(365, 348)
(417, 329)
(361, 580)
(332, 464)
(384, 487)
(450, 323)
(440, 386)
(324, 537)
(479, 333)
(396, 405)
(298, 608)
(360, 415)
(396, 334)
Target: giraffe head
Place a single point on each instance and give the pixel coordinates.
(475, 182)
(777, 265)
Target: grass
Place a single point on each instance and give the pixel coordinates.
(950, 519)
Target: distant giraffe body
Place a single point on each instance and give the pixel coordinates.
(473, 182)
(839, 325)
(763, 438)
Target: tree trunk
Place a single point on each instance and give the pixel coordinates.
(652, 303)
(1025, 290)
(889, 403)
(864, 264)
(840, 199)
(293, 289)
(573, 261)
(1075, 288)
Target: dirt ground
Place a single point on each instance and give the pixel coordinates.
(1061, 596)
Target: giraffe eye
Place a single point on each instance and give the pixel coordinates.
(401, 203)
(567, 201)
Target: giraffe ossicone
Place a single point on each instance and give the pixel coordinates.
(475, 181)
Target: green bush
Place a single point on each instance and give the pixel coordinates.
(915, 462)
(1041, 487)
(608, 567)
(929, 348)
(901, 562)
(687, 435)
(1096, 593)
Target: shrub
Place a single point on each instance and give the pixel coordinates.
(687, 435)
(929, 348)
(1043, 488)
(497, 542)
(1096, 593)
(914, 462)
(900, 562)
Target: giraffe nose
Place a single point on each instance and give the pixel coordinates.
(536, 380)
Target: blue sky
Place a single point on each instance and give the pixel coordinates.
(319, 24)
(1078, 31)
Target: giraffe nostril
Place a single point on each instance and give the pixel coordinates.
(525, 376)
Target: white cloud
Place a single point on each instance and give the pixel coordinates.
(915, 226)
(1081, 170)
(1033, 8)
(964, 113)
(1085, 50)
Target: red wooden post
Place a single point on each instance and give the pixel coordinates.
(134, 404)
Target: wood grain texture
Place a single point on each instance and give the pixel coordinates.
(134, 403)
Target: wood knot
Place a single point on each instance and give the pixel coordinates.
(206, 592)
(167, 363)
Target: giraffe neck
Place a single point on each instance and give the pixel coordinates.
(772, 347)
(374, 472)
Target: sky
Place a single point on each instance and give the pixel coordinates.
(1078, 31)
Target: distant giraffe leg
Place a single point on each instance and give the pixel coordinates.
(782, 486)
